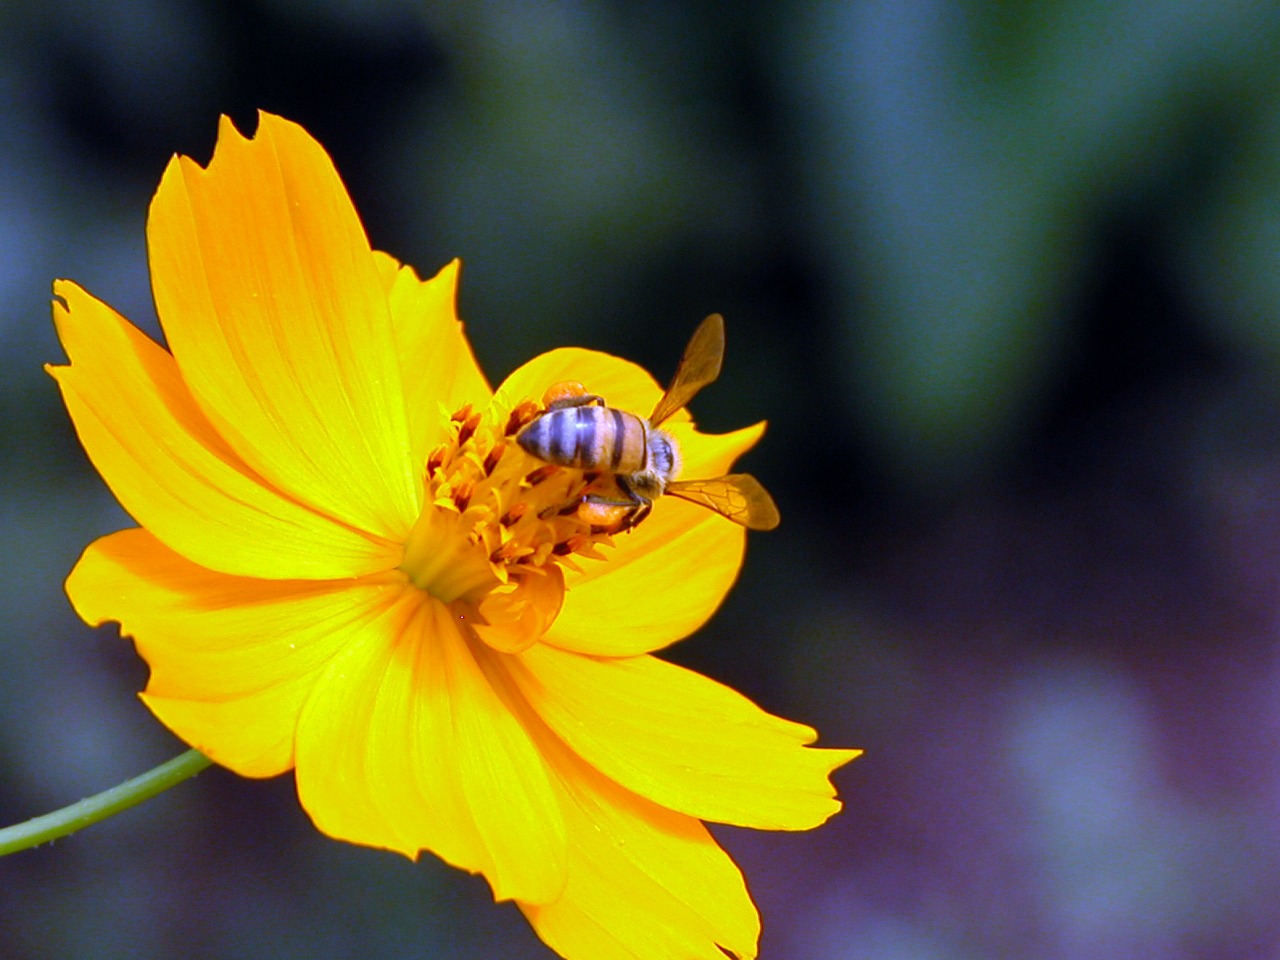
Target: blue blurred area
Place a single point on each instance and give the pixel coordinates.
(1004, 278)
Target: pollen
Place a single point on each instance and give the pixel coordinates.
(493, 516)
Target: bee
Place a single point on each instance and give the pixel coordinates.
(579, 430)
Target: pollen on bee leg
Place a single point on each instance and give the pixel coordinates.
(603, 516)
(564, 390)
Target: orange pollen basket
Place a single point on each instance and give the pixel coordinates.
(493, 516)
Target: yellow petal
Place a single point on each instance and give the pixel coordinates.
(232, 658)
(272, 304)
(437, 367)
(665, 580)
(252, 735)
(513, 619)
(644, 882)
(623, 384)
(681, 739)
(172, 471)
(406, 744)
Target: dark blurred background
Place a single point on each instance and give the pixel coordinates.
(1004, 278)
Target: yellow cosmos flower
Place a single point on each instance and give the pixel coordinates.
(345, 567)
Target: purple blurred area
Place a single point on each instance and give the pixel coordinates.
(1004, 279)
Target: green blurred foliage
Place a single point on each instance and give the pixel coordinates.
(963, 164)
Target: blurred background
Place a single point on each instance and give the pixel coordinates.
(1005, 280)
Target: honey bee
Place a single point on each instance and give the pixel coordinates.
(579, 430)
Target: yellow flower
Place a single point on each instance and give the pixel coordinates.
(344, 566)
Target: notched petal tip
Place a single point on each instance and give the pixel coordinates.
(227, 127)
(682, 740)
(60, 286)
(643, 880)
(172, 470)
(265, 121)
(272, 304)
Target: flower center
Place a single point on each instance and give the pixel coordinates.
(497, 527)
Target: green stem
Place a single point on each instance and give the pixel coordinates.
(69, 819)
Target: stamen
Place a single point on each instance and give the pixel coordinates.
(435, 461)
(468, 429)
(492, 458)
(535, 477)
(522, 414)
(462, 495)
(509, 551)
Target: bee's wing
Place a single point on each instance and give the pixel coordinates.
(738, 496)
(699, 366)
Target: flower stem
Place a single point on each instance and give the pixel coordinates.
(71, 818)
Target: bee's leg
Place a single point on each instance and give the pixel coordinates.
(635, 515)
(588, 503)
(639, 506)
(568, 393)
(585, 400)
(608, 514)
(595, 499)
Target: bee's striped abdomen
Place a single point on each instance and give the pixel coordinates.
(588, 437)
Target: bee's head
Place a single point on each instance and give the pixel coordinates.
(663, 463)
